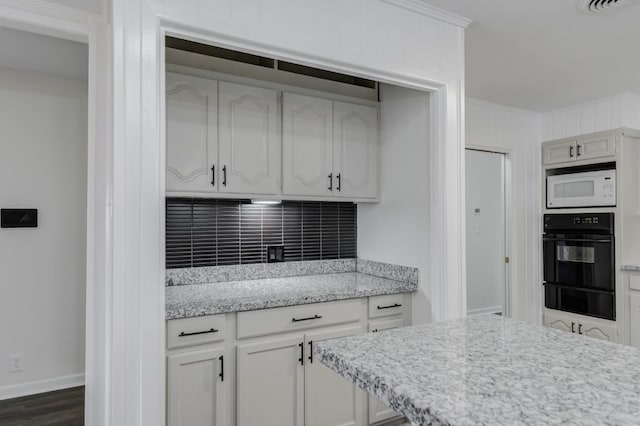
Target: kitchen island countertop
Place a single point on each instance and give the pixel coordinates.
(492, 370)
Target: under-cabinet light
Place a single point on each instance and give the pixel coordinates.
(266, 202)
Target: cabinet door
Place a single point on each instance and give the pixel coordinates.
(378, 410)
(355, 150)
(596, 147)
(249, 146)
(195, 389)
(191, 133)
(270, 383)
(559, 152)
(560, 322)
(307, 135)
(330, 400)
(598, 331)
(634, 320)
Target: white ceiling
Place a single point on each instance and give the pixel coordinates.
(545, 54)
(38, 53)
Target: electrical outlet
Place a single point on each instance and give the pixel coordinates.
(16, 362)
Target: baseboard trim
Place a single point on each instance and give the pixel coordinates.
(48, 385)
(489, 310)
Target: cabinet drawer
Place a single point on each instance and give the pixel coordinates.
(384, 306)
(634, 282)
(292, 318)
(385, 324)
(195, 331)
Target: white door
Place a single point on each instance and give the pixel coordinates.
(378, 410)
(196, 389)
(634, 320)
(559, 152)
(560, 322)
(249, 146)
(270, 381)
(598, 331)
(330, 400)
(307, 135)
(355, 150)
(191, 134)
(486, 229)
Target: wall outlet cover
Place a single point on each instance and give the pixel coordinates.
(16, 363)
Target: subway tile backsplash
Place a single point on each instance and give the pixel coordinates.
(206, 232)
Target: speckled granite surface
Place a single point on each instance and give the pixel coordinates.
(256, 271)
(387, 270)
(632, 268)
(491, 370)
(206, 299)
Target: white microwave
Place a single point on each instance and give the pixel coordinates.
(586, 189)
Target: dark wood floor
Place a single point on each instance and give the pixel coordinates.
(60, 408)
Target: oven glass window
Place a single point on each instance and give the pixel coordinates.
(582, 188)
(575, 254)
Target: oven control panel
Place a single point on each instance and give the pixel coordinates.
(600, 223)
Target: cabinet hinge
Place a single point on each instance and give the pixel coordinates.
(506, 259)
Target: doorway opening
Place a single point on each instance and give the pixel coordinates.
(487, 232)
(43, 176)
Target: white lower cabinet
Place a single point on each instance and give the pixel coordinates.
(634, 320)
(597, 330)
(560, 322)
(273, 379)
(379, 411)
(196, 388)
(579, 325)
(330, 400)
(270, 382)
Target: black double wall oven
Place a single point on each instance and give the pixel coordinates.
(579, 263)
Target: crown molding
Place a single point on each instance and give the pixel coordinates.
(423, 8)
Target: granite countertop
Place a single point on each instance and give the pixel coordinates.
(185, 301)
(492, 370)
(632, 268)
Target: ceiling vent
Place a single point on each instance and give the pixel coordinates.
(600, 6)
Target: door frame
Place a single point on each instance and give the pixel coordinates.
(92, 29)
(508, 219)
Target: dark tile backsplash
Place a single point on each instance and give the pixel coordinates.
(204, 232)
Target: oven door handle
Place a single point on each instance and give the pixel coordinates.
(579, 240)
(574, 287)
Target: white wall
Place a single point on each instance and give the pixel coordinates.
(43, 158)
(518, 133)
(396, 230)
(485, 241)
(594, 116)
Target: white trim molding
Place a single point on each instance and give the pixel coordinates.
(423, 8)
(41, 386)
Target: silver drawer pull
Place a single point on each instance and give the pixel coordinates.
(183, 334)
(395, 305)
(306, 319)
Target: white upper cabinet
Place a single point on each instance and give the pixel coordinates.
(307, 137)
(596, 146)
(249, 146)
(192, 133)
(559, 152)
(355, 150)
(226, 138)
(586, 147)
